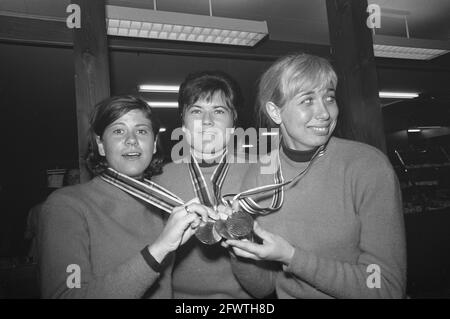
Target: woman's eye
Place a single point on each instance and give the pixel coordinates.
(307, 101)
(330, 99)
(142, 132)
(195, 111)
(118, 131)
(219, 111)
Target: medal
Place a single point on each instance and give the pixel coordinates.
(238, 226)
(207, 234)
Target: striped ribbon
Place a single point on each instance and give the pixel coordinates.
(146, 190)
(217, 179)
(250, 205)
(162, 198)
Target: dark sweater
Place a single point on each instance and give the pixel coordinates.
(344, 215)
(102, 230)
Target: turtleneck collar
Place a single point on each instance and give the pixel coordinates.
(204, 161)
(298, 156)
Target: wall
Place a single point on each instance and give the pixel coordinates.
(38, 123)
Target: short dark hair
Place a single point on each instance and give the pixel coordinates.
(108, 111)
(203, 85)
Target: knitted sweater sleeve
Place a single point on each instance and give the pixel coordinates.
(380, 270)
(257, 277)
(65, 254)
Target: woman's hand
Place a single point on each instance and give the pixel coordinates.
(223, 212)
(273, 247)
(180, 226)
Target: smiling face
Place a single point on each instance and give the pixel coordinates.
(128, 144)
(308, 119)
(208, 124)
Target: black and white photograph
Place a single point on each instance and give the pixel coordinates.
(225, 154)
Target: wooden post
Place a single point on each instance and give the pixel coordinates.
(91, 69)
(352, 52)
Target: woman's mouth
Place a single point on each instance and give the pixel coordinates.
(320, 130)
(209, 132)
(132, 155)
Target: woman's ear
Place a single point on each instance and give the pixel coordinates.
(274, 112)
(101, 148)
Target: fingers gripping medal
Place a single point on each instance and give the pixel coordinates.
(239, 225)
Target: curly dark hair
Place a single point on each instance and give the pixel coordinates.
(108, 111)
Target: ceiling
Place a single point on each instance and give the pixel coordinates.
(302, 21)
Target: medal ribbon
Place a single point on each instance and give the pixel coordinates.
(250, 205)
(217, 179)
(146, 190)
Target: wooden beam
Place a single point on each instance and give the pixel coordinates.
(92, 82)
(352, 52)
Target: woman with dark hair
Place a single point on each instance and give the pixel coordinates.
(208, 169)
(98, 241)
(340, 231)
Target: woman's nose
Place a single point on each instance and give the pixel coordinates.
(322, 111)
(207, 119)
(131, 139)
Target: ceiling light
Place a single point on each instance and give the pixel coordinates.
(408, 48)
(159, 88)
(162, 129)
(269, 133)
(153, 24)
(414, 130)
(247, 146)
(170, 105)
(398, 95)
(430, 127)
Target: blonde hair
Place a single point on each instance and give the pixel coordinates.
(287, 77)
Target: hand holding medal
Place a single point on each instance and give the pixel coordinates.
(230, 223)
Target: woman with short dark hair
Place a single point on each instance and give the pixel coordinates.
(98, 241)
(208, 103)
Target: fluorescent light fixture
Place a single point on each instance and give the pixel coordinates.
(408, 48)
(269, 133)
(398, 95)
(430, 127)
(170, 105)
(162, 130)
(159, 88)
(247, 145)
(414, 130)
(155, 24)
